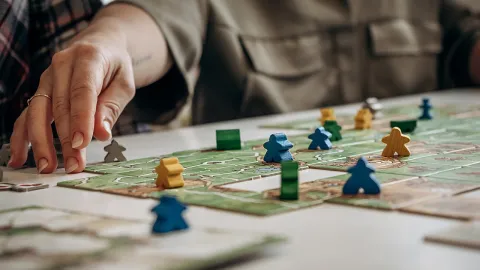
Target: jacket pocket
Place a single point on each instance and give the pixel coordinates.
(403, 57)
(288, 57)
(289, 74)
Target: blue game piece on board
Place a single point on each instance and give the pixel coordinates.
(320, 138)
(426, 107)
(362, 177)
(278, 147)
(169, 215)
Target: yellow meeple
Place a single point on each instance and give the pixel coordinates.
(327, 114)
(396, 144)
(169, 173)
(363, 119)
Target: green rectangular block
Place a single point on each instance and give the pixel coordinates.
(229, 139)
(289, 184)
(406, 126)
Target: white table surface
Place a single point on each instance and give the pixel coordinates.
(323, 237)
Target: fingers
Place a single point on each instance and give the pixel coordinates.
(19, 142)
(112, 101)
(62, 73)
(39, 120)
(89, 72)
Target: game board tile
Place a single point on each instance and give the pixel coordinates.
(378, 161)
(251, 203)
(424, 147)
(312, 157)
(448, 160)
(337, 182)
(301, 147)
(154, 160)
(139, 173)
(462, 235)
(469, 152)
(143, 166)
(219, 162)
(446, 187)
(392, 197)
(347, 142)
(338, 154)
(456, 207)
(414, 156)
(195, 170)
(113, 170)
(241, 153)
(187, 153)
(239, 173)
(410, 168)
(470, 174)
(109, 243)
(146, 189)
(103, 182)
(452, 137)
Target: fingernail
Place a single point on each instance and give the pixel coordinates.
(42, 164)
(77, 140)
(71, 165)
(107, 127)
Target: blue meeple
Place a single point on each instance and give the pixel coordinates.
(169, 215)
(362, 177)
(278, 147)
(426, 107)
(320, 139)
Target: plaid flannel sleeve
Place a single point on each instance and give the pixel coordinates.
(31, 31)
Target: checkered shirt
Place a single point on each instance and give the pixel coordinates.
(31, 31)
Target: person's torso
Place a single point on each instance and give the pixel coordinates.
(263, 57)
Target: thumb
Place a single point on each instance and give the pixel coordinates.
(111, 102)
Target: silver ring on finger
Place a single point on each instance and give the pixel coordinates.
(38, 95)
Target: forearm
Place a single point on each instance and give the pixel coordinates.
(130, 28)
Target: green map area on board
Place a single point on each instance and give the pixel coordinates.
(445, 161)
(46, 238)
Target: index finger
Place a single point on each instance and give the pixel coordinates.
(89, 71)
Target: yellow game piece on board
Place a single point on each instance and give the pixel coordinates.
(327, 114)
(169, 173)
(396, 144)
(363, 119)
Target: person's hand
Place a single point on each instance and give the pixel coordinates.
(475, 63)
(84, 90)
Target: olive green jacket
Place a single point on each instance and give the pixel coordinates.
(259, 57)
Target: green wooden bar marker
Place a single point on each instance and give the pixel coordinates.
(289, 184)
(406, 126)
(229, 139)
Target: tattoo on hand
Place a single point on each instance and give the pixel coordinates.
(140, 60)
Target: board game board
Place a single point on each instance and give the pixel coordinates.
(44, 238)
(445, 161)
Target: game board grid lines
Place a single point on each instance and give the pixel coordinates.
(475, 165)
(461, 174)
